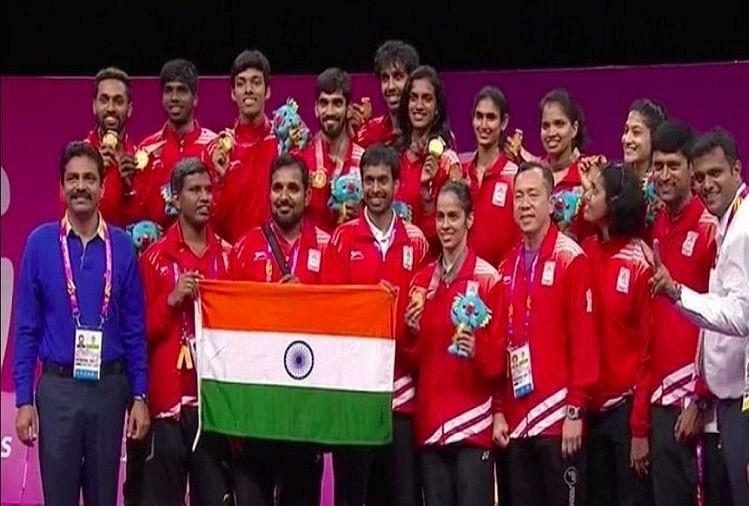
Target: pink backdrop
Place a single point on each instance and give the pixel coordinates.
(39, 115)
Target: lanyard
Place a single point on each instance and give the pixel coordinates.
(511, 308)
(293, 255)
(740, 196)
(70, 282)
(320, 162)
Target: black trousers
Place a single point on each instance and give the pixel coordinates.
(540, 476)
(266, 473)
(502, 473)
(132, 488)
(457, 476)
(717, 487)
(80, 438)
(734, 434)
(611, 480)
(387, 475)
(674, 465)
(170, 462)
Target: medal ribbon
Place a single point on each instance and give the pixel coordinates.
(70, 282)
(319, 159)
(511, 309)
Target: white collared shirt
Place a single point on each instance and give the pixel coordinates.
(383, 239)
(723, 312)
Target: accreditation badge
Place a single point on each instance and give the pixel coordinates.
(87, 356)
(521, 371)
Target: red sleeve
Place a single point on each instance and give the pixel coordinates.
(639, 420)
(582, 349)
(160, 317)
(335, 266)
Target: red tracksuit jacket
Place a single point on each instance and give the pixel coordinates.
(561, 336)
(242, 195)
(687, 248)
(161, 265)
(354, 258)
(117, 207)
(166, 149)
(317, 155)
(409, 189)
(494, 232)
(620, 276)
(454, 394)
(377, 130)
(252, 258)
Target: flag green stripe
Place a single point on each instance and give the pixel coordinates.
(330, 417)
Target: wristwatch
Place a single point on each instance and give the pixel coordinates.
(574, 412)
(139, 398)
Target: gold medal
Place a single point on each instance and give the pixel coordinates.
(110, 140)
(226, 141)
(141, 159)
(366, 107)
(436, 147)
(319, 178)
(418, 296)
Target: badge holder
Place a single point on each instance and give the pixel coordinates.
(521, 371)
(87, 356)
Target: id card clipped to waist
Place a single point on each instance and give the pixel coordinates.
(521, 371)
(87, 357)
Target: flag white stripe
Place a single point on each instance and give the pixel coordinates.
(360, 364)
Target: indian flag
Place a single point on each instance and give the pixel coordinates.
(296, 362)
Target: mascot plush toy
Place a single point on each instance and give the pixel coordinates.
(288, 127)
(468, 313)
(566, 206)
(403, 211)
(346, 189)
(143, 233)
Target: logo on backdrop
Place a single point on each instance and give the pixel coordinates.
(6, 271)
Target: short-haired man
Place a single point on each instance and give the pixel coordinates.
(685, 234)
(79, 276)
(393, 63)
(547, 309)
(172, 268)
(181, 137)
(287, 248)
(379, 247)
(242, 170)
(332, 153)
(112, 108)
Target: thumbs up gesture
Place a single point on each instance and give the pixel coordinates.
(661, 282)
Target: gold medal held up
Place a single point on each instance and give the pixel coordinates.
(141, 159)
(226, 141)
(319, 178)
(110, 140)
(436, 147)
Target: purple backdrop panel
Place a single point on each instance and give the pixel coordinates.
(39, 115)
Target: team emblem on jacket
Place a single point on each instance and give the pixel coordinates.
(299, 360)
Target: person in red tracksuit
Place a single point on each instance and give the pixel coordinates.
(685, 234)
(563, 136)
(422, 116)
(490, 174)
(259, 466)
(181, 137)
(393, 63)
(331, 153)
(376, 248)
(454, 393)
(172, 268)
(242, 173)
(618, 440)
(112, 107)
(546, 306)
